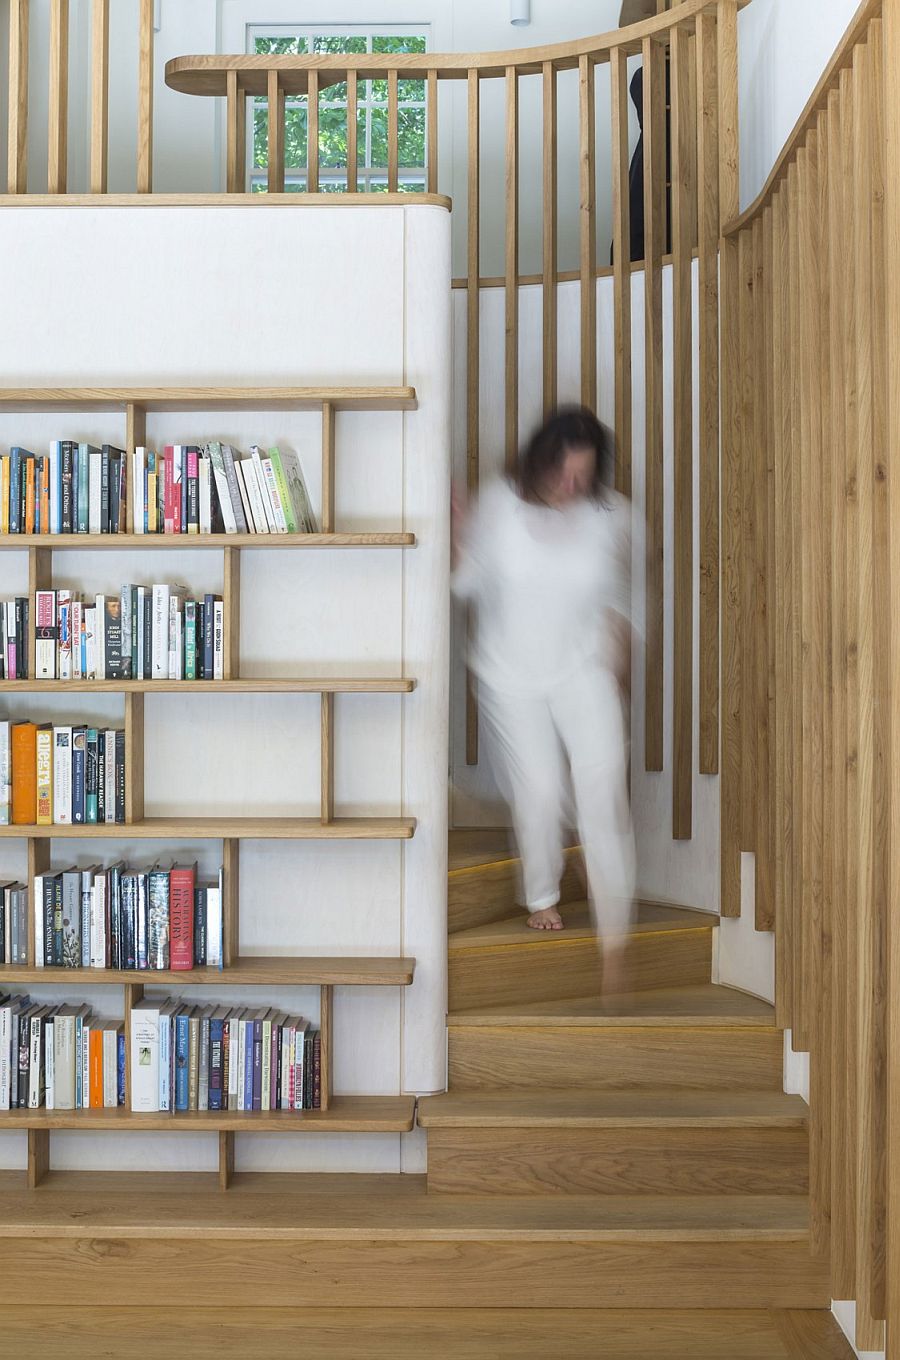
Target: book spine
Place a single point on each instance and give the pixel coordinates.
(234, 490)
(82, 490)
(216, 1028)
(181, 900)
(79, 780)
(62, 776)
(104, 489)
(120, 775)
(144, 1060)
(44, 750)
(45, 634)
(193, 491)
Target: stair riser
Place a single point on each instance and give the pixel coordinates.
(489, 892)
(606, 1057)
(413, 1273)
(622, 1161)
(556, 969)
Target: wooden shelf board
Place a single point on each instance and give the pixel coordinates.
(271, 1205)
(346, 1114)
(24, 399)
(79, 542)
(231, 828)
(252, 685)
(245, 971)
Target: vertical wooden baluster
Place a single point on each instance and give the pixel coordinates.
(327, 762)
(237, 134)
(549, 274)
(312, 134)
(226, 1158)
(99, 95)
(38, 1157)
(891, 97)
(133, 993)
(145, 101)
(40, 577)
(761, 796)
(618, 69)
(231, 907)
(38, 863)
(275, 174)
(512, 269)
(588, 215)
(730, 839)
(683, 132)
(17, 153)
(748, 637)
(231, 610)
(431, 96)
(708, 378)
(352, 146)
(881, 679)
(326, 1043)
(134, 757)
(780, 359)
(393, 133)
(770, 361)
(801, 1014)
(846, 1053)
(58, 117)
(473, 322)
(842, 1263)
(654, 241)
(327, 467)
(729, 154)
(135, 437)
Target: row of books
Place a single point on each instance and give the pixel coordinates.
(14, 624)
(142, 633)
(188, 489)
(76, 488)
(115, 917)
(222, 1058)
(61, 776)
(59, 1056)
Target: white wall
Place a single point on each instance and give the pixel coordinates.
(189, 297)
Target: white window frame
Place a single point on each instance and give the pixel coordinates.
(367, 175)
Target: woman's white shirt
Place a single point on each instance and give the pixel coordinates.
(542, 580)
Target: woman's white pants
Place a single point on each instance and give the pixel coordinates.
(531, 739)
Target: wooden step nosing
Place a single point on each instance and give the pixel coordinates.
(548, 1024)
(660, 1122)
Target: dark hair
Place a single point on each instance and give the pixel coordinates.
(568, 427)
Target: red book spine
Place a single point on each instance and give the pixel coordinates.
(169, 489)
(181, 923)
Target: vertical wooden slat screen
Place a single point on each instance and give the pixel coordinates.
(99, 96)
(236, 112)
(473, 370)
(588, 231)
(621, 266)
(145, 100)
(549, 288)
(708, 379)
(730, 701)
(511, 260)
(654, 240)
(393, 132)
(432, 132)
(312, 135)
(352, 144)
(729, 183)
(747, 636)
(780, 360)
(17, 109)
(683, 131)
(58, 113)
(765, 897)
(275, 150)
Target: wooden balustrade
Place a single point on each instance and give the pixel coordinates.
(811, 633)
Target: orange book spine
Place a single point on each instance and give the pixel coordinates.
(23, 745)
(96, 1062)
(29, 495)
(45, 496)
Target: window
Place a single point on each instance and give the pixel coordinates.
(371, 119)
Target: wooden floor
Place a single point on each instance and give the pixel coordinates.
(278, 1333)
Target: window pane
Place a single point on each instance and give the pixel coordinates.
(295, 186)
(411, 91)
(379, 137)
(295, 138)
(332, 137)
(333, 186)
(411, 129)
(340, 44)
(260, 135)
(280, 47)
(361, 137)
(411, 186)
(397, 43)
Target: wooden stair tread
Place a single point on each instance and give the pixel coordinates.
(309, 1207)
(472, 847)
(68, 1332)
(577, 1108)
(702, 1004)
(514, 930)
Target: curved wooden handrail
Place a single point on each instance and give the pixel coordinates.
(843, 56)
(208, 74)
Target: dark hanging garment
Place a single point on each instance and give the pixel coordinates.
(636, 171)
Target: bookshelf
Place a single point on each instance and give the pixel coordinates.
(339, 1114)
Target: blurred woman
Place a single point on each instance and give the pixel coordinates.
(545, 558)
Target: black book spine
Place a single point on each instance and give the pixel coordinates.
(129, 933)
(21, 639)
(49, 898)
(67, 499)
(101, 777)
(115, 489)
(120, 775)
(57, 935)
(23, 492)
(24, 1058)
(104, 489)
(2, 926)
(148, 638)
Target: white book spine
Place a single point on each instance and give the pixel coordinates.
(84, 1057)
(159, 663)
(144, 1040)
(266, 1087)
(218, 639)
(95, 473)
(205, 488)
(76, 625)
(39, 921)
(242, 1062)
(266, 494)
(255, 496)
(90, 643)
(110, 1068)
(98, 923)
(138, 490)
(233, 1061)
(272, 488)
(165, 1058)
(214, 926)
(62, 776)
(141, 606)
(64, 1062)
(49, 1065)
(100, 635)
(34, 1066)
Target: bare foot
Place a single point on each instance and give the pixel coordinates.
(547, 919)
